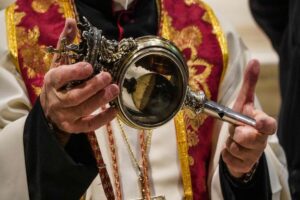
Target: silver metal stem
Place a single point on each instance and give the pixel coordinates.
(226, 114)
(198, 102)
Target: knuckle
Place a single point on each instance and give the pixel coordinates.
(104, 78)
(67, 127)
(63, 126)
(48, 80)
(59, 81)
(245, 168)
(273, 125)
(230, 164)
(75, 70)
(234, 148)
(254, 138)
(249, 162)
(239, 138)
(247, 138)
(225, 156)
(238, 133)
(51, 109)
(71, 98)
(106, 97)
(58, 77)
(60, 116)
(101, 97)
(81, 110)
(90, 125)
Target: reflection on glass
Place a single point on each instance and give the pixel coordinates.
(151, 90)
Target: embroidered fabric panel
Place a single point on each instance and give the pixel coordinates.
(32, 36)
(194, 32)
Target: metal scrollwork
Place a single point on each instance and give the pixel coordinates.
(94, 48)
(151, 73)
(195, 100)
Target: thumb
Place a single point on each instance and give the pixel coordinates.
(245, 99)
(67, 36)
(69, 32)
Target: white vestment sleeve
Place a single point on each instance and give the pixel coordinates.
(14, 102)
(13, 184)
(5, 3)
(14, 107)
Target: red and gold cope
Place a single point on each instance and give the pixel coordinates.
(32, 25)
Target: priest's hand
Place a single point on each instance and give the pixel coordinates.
(246, 144)
(70, 110)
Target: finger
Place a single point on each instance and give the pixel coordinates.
(69, 32)
(68, 35)
(247, 155)
(100, 99)
(246, 94)
(90, 123)
(87, 89)
(264, 123)
(248, 137)
(64, 74)
(236, 166)
(231, 129)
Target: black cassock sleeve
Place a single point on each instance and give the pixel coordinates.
(54, 171)
(257, 188)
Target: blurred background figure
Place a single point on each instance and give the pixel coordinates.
(280, 21)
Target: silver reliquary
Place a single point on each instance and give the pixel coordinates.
(152, 76)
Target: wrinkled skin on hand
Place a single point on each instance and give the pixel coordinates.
(246, 144)
(72, 110)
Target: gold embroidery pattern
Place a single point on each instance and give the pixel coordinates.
(35, 59)
(190, 2)
(206, 18)
(25, 42)
(37, 90)
(197, 79)
(68, 8)
(189, 38)
(11, 20)
(191, 161)
(18, 17)
(183, 155)
(42, 6)
(194, 120)
(192, 138)
(210, 17)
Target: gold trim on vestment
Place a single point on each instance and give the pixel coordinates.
(220, 37)
(68, 7)
(11, 34)
(183, 155)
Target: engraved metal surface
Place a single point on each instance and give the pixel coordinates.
(152, 76)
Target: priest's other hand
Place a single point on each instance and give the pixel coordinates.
(71, 110)
(246, 144)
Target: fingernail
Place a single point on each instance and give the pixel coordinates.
(69, 29)
(106, 77)
(88, 68)
(87, 65)
(114, 90)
